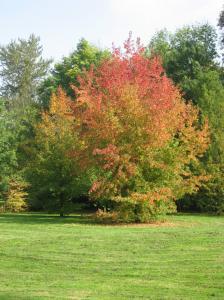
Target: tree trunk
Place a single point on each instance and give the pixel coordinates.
(61, 205)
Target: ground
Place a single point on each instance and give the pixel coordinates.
(48, 257)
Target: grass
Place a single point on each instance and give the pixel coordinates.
(47, 257)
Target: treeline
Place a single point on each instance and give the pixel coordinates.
(132, 132)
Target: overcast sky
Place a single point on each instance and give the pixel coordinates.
(61, 23)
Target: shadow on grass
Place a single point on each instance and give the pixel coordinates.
(38, 218)
(78, 218)
(196, 214)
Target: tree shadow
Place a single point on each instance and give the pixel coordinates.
(76, 218)
(196, 214)
(40, 218)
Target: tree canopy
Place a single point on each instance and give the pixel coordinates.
(140, 134)
(66, 72)
(22, 68)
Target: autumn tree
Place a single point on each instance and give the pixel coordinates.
(53, 172)
(16, 196)
(140, 134)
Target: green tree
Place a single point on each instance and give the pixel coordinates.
(209, 92)
(188, 51)
(8, 160)
(66, 73)
(190, 59)
(22, 68)
(221, 25)
(16, 145)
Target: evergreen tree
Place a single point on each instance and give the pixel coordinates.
(22, 68)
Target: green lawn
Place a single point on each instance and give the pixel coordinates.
(47, 257)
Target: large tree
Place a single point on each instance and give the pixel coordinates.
(190, 58)
(221, 25)
(186, 52)
(139, 133)
(22, 68)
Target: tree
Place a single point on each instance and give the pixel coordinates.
(188, 51)
(8, 158)
(21, 70)
(16, 196)
(190, 59)
(209, 90)
(54, 174)
(221, 25)
(139, 133)
(66, 73)
(14, 139)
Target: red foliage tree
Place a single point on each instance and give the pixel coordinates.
(139, 133)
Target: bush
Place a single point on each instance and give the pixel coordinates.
(136, 210)
(16, 196)
(106, 217)
(209, 199)
(210, 196)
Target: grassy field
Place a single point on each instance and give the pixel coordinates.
(45, 257)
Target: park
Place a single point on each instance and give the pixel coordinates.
(112, 154)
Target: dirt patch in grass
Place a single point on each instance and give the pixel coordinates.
(152, 224)
(132, 225)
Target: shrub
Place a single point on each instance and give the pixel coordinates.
(209, 199)
(106, 217)
(138, 208)
(16, 196)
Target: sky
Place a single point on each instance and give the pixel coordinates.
(62, 23)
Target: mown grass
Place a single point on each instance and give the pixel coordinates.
(48, 257)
